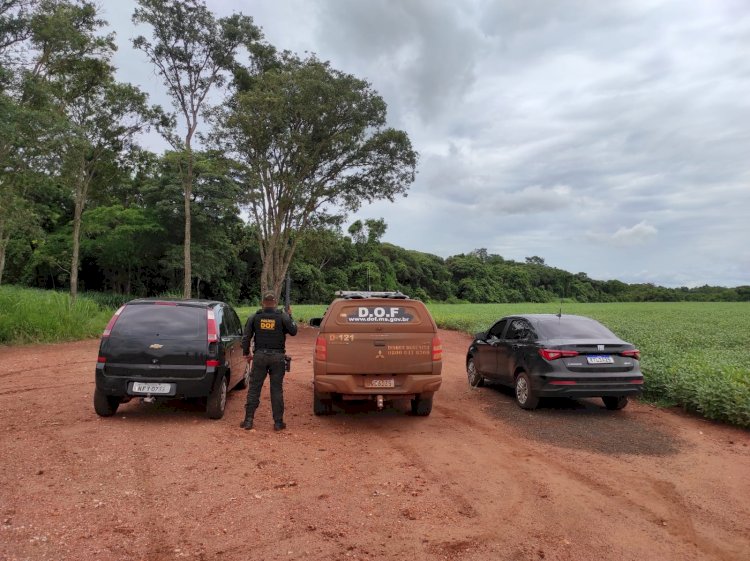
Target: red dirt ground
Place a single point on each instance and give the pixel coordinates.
(479, 479)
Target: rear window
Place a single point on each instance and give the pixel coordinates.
(166, 322)
(574, 328)
(361, 312)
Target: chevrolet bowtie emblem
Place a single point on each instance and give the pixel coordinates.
(155, 346)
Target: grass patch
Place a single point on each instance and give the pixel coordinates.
(43, 316)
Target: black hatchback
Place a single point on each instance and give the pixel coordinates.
(170, 349)
(546, 355)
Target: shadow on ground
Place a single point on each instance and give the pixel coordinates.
(580, 424)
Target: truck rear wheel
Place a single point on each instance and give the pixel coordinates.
(322, 406)
(421, 406)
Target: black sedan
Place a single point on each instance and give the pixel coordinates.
(548, 355)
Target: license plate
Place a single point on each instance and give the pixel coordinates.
(600, 359)
(151, 388)
(380, 383)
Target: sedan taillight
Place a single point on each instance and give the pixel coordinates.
(554, 354)
(635, 353)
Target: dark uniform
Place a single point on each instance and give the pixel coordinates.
(268, 327)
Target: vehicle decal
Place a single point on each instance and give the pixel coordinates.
(379, 314)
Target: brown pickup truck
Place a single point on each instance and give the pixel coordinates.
(376, 346)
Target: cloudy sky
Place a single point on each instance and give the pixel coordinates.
(611, 138)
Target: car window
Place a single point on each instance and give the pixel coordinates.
(234, 325)
(497, 329)
(221, 321)
(167, 322)
(575, 327)
(519, 329)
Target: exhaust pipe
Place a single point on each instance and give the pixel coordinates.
(148, 399)
(380, 402)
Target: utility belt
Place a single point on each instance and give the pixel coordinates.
(287, 358)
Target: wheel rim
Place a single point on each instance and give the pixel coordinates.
(522, 390)
(223, 396)
(473, 374)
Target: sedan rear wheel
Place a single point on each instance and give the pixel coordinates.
(524, 394)
(614, 403)
(476, 380)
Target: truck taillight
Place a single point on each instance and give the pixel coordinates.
(554, 354)
(437, 348)
(213, 336)
(111, 324)
(321, 348)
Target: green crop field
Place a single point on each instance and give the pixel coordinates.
(696, 355)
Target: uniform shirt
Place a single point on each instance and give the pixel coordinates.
(269, 327)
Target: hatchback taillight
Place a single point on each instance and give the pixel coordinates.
(321, 348)
(635, 353)
(437, 349)
(111, 324)
(213, 333)
(554, 354)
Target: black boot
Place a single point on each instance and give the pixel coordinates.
(247, 424)
(279, 425)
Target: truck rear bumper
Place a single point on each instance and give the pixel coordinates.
(355, 386)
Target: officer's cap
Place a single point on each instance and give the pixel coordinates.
(269, 297)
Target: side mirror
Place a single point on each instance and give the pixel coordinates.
(315, 322)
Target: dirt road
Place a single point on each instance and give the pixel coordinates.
(479, 479)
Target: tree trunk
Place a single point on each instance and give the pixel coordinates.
(187, 284)
(3, 245)
(77, 213)
(4, 238)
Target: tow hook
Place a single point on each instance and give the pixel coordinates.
(380, 402)
(148, 399)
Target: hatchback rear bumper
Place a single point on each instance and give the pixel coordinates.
(183, 387)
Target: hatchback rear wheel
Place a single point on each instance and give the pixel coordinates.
(614, 403)
(105, 405)
(217, 401)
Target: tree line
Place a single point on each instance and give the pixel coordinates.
(296, 144)
(250, 189)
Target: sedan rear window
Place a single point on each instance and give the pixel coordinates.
(574, 328)
(166, 322)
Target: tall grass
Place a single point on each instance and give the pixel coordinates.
(32, 316)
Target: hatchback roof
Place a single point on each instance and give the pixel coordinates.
(196, 302)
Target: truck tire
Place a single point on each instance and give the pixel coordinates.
(421, 406)
(217, 400)
(322, 406)
(105, 405)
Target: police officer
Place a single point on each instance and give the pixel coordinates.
(269, 327)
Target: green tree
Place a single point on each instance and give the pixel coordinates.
(310, 142)
(192, 51)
